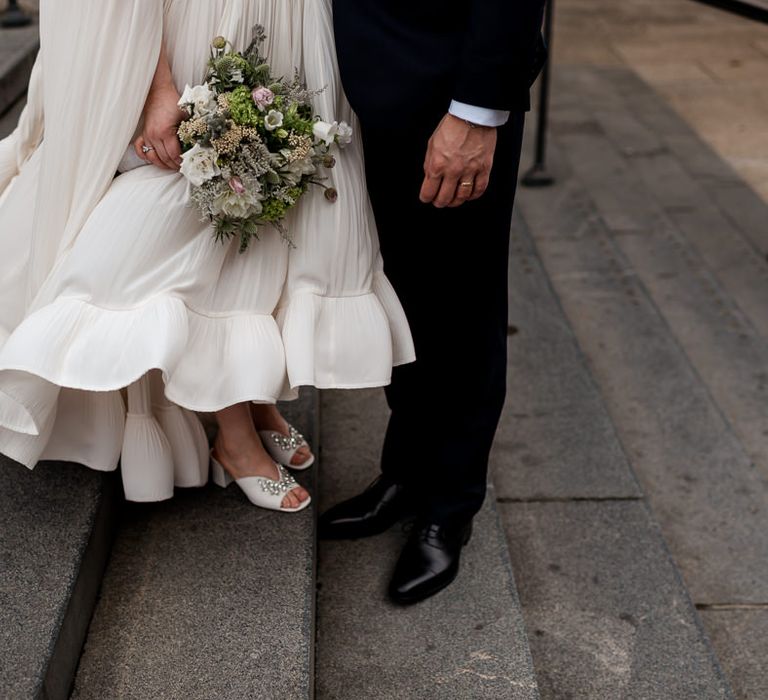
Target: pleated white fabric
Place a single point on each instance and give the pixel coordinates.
(108, 283)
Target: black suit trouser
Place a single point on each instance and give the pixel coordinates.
(449, 268)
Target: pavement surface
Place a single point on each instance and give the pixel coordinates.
(708, 64)
(656, 251)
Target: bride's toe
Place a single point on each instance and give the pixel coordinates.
(302, 456)
(294, 498)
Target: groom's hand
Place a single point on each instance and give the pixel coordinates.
(458, 163)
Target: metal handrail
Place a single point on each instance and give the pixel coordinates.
(538, 175)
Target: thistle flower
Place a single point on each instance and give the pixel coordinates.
(331, 194)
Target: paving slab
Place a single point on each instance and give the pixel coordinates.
(702, 485)
(466, 642)
(708, 282)
(555, 439)
(18, 50)
(57, 524)
(607, 614)
(737, 201)
(740, 639)
(207, 596)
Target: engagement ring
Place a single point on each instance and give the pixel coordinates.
(146, 149)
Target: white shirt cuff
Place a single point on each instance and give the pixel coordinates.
(479, 115)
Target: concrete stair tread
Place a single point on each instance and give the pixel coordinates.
(708, 281)
(607, 613)
(739, 636)
(468, 641)
(555, 439)
(700, 481)
(207, 596)
(596, 581)
(56, 525)
(18, 49)
(653, 311)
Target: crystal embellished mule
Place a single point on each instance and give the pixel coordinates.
(260, 490)
(282, 448)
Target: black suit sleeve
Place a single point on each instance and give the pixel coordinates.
(502, 53)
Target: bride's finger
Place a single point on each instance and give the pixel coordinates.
(138, 146)
(173, 147)
(152, 157)
(165, 159)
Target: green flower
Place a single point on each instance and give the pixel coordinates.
(273, 210)
(242, 108)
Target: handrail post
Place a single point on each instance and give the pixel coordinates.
(538, 175)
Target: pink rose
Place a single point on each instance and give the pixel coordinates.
(236, 185)
(263, 97)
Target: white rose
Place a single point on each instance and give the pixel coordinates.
(238, 206)
(201, 98)
(293, 172)
(273, 120)
(344, 135)
(199, 165)
(324, 131)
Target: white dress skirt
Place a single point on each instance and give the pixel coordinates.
(108, 283)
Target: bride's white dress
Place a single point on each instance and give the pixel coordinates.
(112, 282)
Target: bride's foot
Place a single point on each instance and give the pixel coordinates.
(268, 419)
(242, 461)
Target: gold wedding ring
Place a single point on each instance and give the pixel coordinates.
(469, 183)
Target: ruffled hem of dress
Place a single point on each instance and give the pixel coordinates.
(208, 362)
(62, 368)
(349, 342)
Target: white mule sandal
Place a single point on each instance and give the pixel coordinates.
(260, 490)
(282, 448)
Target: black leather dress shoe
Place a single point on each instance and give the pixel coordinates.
(429, 562)
(374, 511)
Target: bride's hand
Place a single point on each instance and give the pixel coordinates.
(159, 143)
(162, 117)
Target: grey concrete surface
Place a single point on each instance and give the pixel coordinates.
(56, 525)
(657, 252)
(607, 614)
(9, 120)
(741, 640)
(706, 277)
(700, 482)
(555, 439)
(18, 49)
(466, 642)
(207, 596)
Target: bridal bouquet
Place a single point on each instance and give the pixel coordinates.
(252, 145)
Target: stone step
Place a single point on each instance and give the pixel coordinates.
(596, 580)
(207, 596)
(18, 50)
(702, 485)
(467, 642)
(57, 524)
(699, 479)
(705, 275)
(9, 120)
